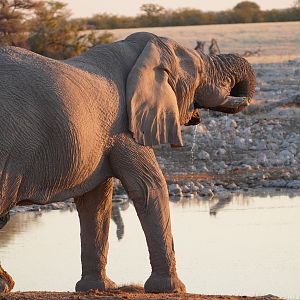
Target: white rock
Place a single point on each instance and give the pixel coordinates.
(261, 145)
(272, 146)
(232, 186)
(294, 184)
(262, 159)
(204, 169)
(212, 124)
(188, 195)
(222, 165)
(186, 189)
(200, 186)
(203, 155)
(221, 151)
(246, 167)
(293, 148)
(286, 156)
(240, 143)
(201, 128)
(279, 183)
(285, 144)
(194, 188)
(230, 123)
(175, 189)
(206, 192)
(218, 189)
(247, 131)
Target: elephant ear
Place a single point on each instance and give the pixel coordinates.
(151, 102)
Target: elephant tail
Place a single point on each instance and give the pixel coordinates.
(3, 220)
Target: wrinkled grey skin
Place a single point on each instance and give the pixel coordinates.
(68, 128)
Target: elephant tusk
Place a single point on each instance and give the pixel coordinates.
(237, 101)
(232, 105)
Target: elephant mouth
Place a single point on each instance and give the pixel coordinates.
(232, 105)
(195, 119)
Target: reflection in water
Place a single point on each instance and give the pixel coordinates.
(20, 224)
(24, 221)
(250, 246)
(219, 204)
(117, 218)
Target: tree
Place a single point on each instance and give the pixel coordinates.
(52, 33)
(13, 20)
(187, 16)
(151, 9)
(296, 4)
(247, 12)
(151, 14)
(104, 21)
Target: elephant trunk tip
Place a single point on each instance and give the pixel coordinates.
(243, 88)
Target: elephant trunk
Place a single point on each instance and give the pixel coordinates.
(228, 84)
(243, 76)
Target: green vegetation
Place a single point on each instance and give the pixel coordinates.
(13, 24)
(153, 15)
(45, 28)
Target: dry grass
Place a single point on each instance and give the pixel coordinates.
(277, 42)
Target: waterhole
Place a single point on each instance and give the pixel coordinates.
(243, 246)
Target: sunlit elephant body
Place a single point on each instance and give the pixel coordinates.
(68, 127)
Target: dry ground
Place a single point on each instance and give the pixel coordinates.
(128, 292)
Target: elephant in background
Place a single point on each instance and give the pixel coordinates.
(68, 127)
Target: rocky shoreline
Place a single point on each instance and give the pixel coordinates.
(258, 148)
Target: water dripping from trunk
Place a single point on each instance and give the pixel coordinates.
(194, 147)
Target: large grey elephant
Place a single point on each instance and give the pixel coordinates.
(68, 127)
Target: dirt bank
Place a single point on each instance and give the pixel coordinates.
(122, 293)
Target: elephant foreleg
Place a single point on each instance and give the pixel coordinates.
(139, 172)
(94, 210)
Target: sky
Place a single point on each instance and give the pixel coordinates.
(87, 8)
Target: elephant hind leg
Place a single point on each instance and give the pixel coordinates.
(9, 192)
(3, 220)
(6, 282)
(94, 210)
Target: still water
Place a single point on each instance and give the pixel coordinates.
(242, 246)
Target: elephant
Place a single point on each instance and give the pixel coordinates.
(69, 127)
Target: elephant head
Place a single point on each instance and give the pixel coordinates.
(168, 83)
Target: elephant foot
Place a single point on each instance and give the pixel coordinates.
(6, 282)
(164, 284)
(91, 283)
